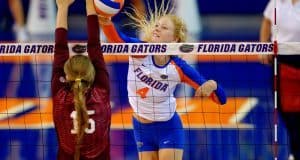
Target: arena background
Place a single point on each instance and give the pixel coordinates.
(211, 133)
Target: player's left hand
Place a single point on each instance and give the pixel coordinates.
(104, 20)
(64, 3)
(206, 88)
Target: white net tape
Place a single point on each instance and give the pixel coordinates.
(290, 48)
(223, 48)
(26, 104)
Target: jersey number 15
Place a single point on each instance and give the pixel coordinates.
(91, 122)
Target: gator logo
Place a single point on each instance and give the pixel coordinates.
(79, 49)
(186, 48)
(163, 76)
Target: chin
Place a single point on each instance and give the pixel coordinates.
(155, 40)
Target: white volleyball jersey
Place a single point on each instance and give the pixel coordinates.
(41, 17)
(151, 88)
(288, 19)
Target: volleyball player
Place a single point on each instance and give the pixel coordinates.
(151, 82)
(80, 90)
(16, 9)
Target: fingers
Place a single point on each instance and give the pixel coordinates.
(62, 13)
(64, 3)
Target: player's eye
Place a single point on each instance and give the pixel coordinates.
(164, 27)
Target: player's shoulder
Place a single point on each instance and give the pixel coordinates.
(64, 95)
(97, 94)
(178, 61)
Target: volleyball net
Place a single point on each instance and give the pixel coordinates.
(244, 128)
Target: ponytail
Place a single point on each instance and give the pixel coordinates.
(81, 73)
(145, 22)
(81, 114)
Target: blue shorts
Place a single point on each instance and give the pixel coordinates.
(158, 135)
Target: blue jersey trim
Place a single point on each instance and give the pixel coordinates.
(128, 39)
(192, 73)
(221, 94)
(198, 78)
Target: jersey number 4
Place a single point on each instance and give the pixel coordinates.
(91, 122)
(143, 92)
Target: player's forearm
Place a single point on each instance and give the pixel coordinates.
(140, 5)
(62, 17)
(93, 30)
(61, 48)
(17, 12)
(265, 30)
(111, 33)
(61, 42)
(90, 9)
(219, 95)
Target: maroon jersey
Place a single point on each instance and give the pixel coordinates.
(96, 137)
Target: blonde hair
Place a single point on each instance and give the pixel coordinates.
(81, 74)
(146, 23)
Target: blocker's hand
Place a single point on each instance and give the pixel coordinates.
(64, 3)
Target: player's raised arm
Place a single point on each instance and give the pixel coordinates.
(113, 35)
(202, 86)
(61, 53)
(62, 13)
(94, 51)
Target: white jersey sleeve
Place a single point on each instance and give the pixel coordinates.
(41, 17)
(269, 11)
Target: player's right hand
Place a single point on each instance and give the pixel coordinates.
(64, 3)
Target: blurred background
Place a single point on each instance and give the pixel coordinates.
(216, 20)
(240, 130)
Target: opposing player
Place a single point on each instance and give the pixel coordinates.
(151, 82)
(288, 21)
(80, 90)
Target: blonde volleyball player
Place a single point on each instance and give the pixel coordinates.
(80, 91)
(151, 82)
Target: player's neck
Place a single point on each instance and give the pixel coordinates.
(161, 60)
